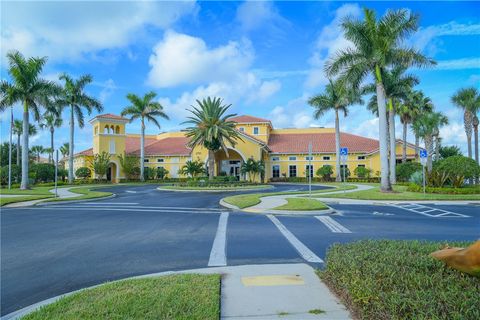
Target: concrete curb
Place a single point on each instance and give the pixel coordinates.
(278, 212)
(206, 190)
(46, 203)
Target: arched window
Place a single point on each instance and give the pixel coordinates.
(96, 130)
(117, 130)
(106, 130)
(112, 129)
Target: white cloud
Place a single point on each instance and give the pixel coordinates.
(108, 88)
(69, 30)
(330, 40)
(296, 113)
(457, 64)
(183, 59)
(252, 15)
(266, 90)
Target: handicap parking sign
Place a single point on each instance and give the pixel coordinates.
(344, 151)
(423, 153)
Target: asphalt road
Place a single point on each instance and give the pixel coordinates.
(47, 251)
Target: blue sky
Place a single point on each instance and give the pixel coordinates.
(265, 58)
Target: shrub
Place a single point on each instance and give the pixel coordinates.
(362, 172)
(325, 172)
(344, 172)
(459, 168)
(149, 173)
(192, 168)
(417, 178)
(42, 172)
(62, 174)
(129, 164)
(162, 173)
(445, 190)
(83, 172)
(16, 174)
(405, 170)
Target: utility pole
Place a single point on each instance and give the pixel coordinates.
(56, 172)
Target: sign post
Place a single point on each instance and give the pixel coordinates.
(423, 161)
(56, 172)
(10, 150)
(344, 158)
(310, 169)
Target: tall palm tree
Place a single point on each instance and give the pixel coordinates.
(18, 130)
(37, 151)
(337, 97)
(211, 128)
(144, 109)
(426, 126)
(73, 96)
(468, 99)
(64, 149)
(376, 46)
(29, 89)
(475, 135)
(397, 86)
(51, 121)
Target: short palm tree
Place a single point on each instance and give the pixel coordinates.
(64, 149)
(426, 126)
(376, 46)
(144, 109)
(37, 151)
(50, 121)
(337, 97)
(211, 128)
(29, 89)
(192, 168)
(468, 99)
(18, 130)
(74, 96)
(397, 86)
(252, 168)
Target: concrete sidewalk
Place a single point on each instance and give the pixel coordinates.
(271, 291)
(62, 193)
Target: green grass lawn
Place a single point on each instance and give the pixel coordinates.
(32, 191)
(5, 201)
(387, 279)
(247, 200)
(400, 193)
(186, 296)
(302, 204)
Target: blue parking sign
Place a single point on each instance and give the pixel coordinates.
(343, 151)
(423, 153)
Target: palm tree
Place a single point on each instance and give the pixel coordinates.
(51, 121)
(376, 46)
(397, 86)
(18, 130)
(144, 109)
(211, 128)
(337, 97)
(64, 149)
(426, 126)
(37, 151)
(73, 95)
(475, 134)
(468, 99)
(30, 90)
(192, 168)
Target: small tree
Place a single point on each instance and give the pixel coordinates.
(148, 173)
(130, 165)
(405, 170)
(83, 172)
(192, 168)
(161, 173)
(253, 168)
(325, 172)
(100, 164)
(362, 172)
(459, 168)
(449, 151)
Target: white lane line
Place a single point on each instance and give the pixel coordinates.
(131, 191)
(218, 255)
(132, 209)
(306, 253)
(333, 225)
(139, 207)
(105, 203)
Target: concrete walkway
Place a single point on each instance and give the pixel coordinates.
(61, 192)
(272, 291)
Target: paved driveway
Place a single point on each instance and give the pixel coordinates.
(46, 251)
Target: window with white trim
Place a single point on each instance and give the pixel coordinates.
(112, 147)
(276, 171)
(146, 160)
(309, 158)
(292, 171)
(309, 171)
(275, 158)
(292, 158)
(255, 130)
(241, 129)
(326, 158)
(361, 158)
(160, 160)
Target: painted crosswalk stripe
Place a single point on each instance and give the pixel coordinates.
(218, 255)
(424, 210)
(333, 225)
(306, 253)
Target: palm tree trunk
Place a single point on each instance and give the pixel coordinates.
(475, 135)
(338, 177)
(437, 147)
(211, 164)
(142, 151)
(24, 183)
(393, 143)
(429, 146)
(52, 131)
(70, 151)
(404, 147)
(18, 150)
(417, 145)
(382, 121)
(467, 121)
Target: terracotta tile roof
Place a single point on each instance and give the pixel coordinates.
(251, 137)
(133, 143)
(167, 146)
(321, 143)
(244, 119)
(111, 116)
(88, 152)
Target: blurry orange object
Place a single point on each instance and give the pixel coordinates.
(463, 259)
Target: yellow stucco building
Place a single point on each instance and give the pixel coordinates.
(285, 151)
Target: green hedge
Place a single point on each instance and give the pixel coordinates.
(444, 190)
(385, 279)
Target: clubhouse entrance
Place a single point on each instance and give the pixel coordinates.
(231, 165)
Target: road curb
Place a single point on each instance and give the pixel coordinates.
(206, 190)
(278, 212)
(46, 203)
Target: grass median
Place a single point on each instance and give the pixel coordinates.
(302, 204)
(399, 193)
(185, 296)
(247, 200)
(387, 279)
(84, 193)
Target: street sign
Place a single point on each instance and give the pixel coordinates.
(344, 154)
(423, 157)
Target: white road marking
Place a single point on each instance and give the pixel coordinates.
(333, 225)
(130, 209)
(306, 253)
(111, 206)
(104, 203)
(218, 255)
(131, 191)
(418, 208)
